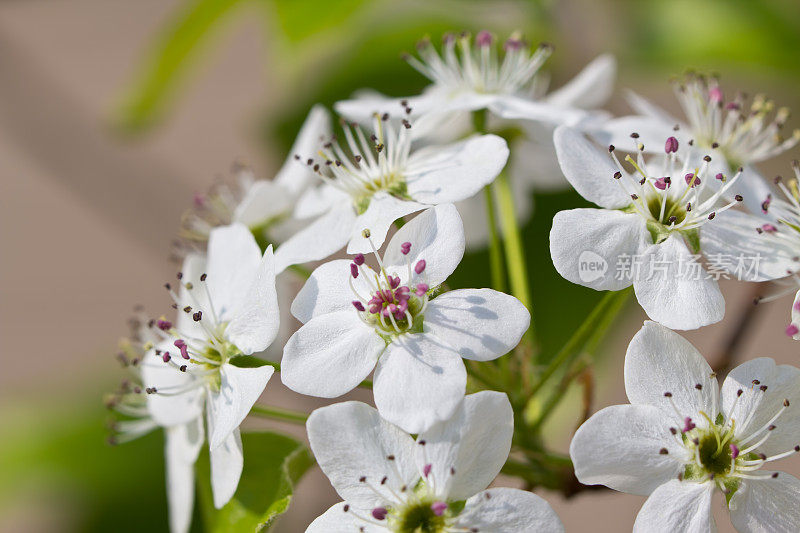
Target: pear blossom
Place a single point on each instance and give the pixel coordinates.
(648, 230)
(471, 76)
(735, 132)
(392, 482)
(227, 309)
(682, 437)
(183, 440)
(356, 319)
(269, 207)
(385, 177)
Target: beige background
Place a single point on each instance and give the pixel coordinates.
(87, 216)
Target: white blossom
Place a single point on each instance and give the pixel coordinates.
(391, 482)
(682, 437)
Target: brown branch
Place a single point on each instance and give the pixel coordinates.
(738, 333)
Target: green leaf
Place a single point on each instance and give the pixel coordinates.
(173, 53)
(300, 19)
(273, 464)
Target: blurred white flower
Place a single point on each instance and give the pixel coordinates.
(369, 181)
(227, 308)
(356, 318)
(471, 76)
(648, 230)
(681, 437)
(392, 483)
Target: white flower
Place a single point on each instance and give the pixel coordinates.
(269, 207)
(470, 77)
(732, 132)
(648, 231)
(391, 483)
(183, 440)
(356, 318)
(384, 178)
(227, 308)
(681, 437)
(736, 133)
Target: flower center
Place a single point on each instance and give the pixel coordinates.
(420, 517)
(362, 167)
(393, 308)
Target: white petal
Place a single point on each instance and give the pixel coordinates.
(732, 235)
(328, 290)
(336, 520)
(227, 462)
(506, 510)
(480, 324)
(318, 240)
(183, 444)
(751, 185)
(474, 443)
(660, 361)
(294, 176)
(620, 446)
(679, 299)
(442, 174)
(768, 505)
(796, 314)
(783, 383)
(516, 108)
(588, 169)
(264, 200)
(256, 320)
(419, 381)
(653, 133)
(383, 210)
(350, 440)
(677, 507)
(647, 108)
(170, 408)
(592, 87)
(239, 389)
(588, 246)
(316, 201)
(233, 260)
(437, 236)
(330, 355)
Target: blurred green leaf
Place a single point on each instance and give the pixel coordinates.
(58, 459)
(171, 57)
(300, 19)
(273, 464)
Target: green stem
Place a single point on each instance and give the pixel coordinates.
(512, 244)
(495, 248)
(275, 413)
(588, 334)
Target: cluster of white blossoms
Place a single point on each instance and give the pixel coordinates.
(394, 189)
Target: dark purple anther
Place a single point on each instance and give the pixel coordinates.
(720, 176)
(769, 228)
(358, 305)
(661, 183)
(791, 330)
(164, 325)
(405, 248)
(671, 146)
(484, 38)
(420, 266)
(688, 425)
(166, 357)
(394, 282)
(692, 180)
(379, 513)
(422, 288)
(426, 470)
(358, 259)
(181, 345)
(353, 270)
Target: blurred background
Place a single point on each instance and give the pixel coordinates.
(113, 113)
